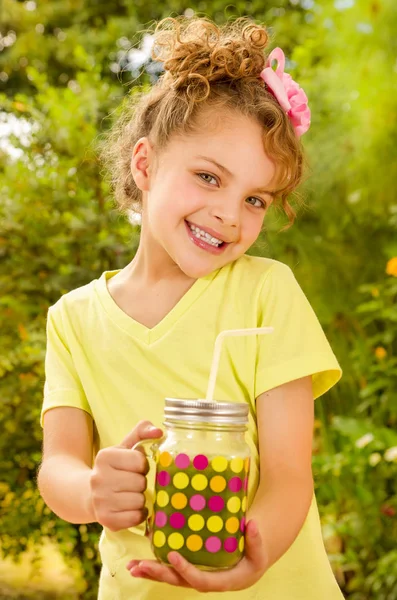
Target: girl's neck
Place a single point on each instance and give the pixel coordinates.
(152, 266)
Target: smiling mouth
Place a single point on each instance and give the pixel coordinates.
(205, 240)
(201, 234)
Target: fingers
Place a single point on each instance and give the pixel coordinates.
(105, 480)
(122, 459)
(127, 501)
(151, 569)
(255, 552)
(115, 521)
(143, 431)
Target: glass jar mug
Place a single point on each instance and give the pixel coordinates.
(201, 482)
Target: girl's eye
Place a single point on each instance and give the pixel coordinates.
(260, 202)
(203, 175)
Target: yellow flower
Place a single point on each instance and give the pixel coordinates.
(391, 267)
(380, 353)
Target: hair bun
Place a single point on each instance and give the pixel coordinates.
(196, 52)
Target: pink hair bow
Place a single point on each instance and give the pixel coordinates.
(289, 94)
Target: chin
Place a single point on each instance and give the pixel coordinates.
(197, 271)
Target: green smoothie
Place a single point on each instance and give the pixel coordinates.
(199, 508)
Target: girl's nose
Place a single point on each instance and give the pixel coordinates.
(227, 213)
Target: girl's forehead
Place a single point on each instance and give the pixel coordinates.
(236, 144)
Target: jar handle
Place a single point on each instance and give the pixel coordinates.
(149, 448)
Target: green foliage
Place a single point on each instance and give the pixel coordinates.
(59, 230)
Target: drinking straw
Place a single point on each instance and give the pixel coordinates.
(218, 349)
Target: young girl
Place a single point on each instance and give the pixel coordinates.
(204, 154)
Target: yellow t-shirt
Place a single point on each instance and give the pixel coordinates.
(101, 360)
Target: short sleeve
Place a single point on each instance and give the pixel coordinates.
(62, 385)
(298, 346)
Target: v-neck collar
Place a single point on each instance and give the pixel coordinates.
(138, 330)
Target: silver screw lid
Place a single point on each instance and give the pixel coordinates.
(220, 413)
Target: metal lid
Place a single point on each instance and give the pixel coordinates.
(220, 413)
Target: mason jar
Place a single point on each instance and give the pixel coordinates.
(201, 482)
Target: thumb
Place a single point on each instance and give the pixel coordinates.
(254, 548)
(143, 431)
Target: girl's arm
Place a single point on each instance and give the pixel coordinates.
(285, 417)
(64, 476)
(110, 491)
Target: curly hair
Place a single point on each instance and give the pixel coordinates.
(205, 66)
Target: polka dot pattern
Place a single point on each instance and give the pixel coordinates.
(200, 505)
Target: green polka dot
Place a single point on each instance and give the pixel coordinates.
(219, 464)
(176, 541)
(159, 539)
(180, 481)
(237, 465)
(214, 524)
(199, 482)
(162, 498)
(195, 522)
(234, 504)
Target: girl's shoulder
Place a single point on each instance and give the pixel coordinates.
(256, 270)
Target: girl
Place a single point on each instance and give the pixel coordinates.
(203, 155)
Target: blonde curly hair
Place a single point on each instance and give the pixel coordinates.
(205, 66)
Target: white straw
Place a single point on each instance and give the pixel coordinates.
(218, 349)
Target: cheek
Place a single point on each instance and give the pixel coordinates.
(252, 226)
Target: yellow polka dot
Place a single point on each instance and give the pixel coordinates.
(219, 464)
(214, 524)
(241, 544)
(179, 501)
(244, 504)
(162, 498)
(232, 524)
(165, 459)
(234, 504)
(237, 465)
(196, 522)
(181, 481)
(246, 465)
(176, 541)
(194, 543)
(159, 539)
(199, 482)
(218, 483)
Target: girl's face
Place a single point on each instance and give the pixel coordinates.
(205, 200)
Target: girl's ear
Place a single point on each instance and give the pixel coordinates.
(141, 163)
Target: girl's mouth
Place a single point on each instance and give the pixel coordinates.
(204, 240)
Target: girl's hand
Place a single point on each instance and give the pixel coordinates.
(248, 571)
(118, 481)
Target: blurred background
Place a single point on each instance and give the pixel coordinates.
(65, 67)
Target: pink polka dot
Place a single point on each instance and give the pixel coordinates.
(160, 518)
(245, 485)
(216, 503)
(197, 502)
(182, 461)
(242, 525)
(235, 484)
(163, 478)
(213, 544)
(230, 544)
(177, 520)
(200, 462)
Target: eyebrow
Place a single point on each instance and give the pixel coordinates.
(230, 174)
